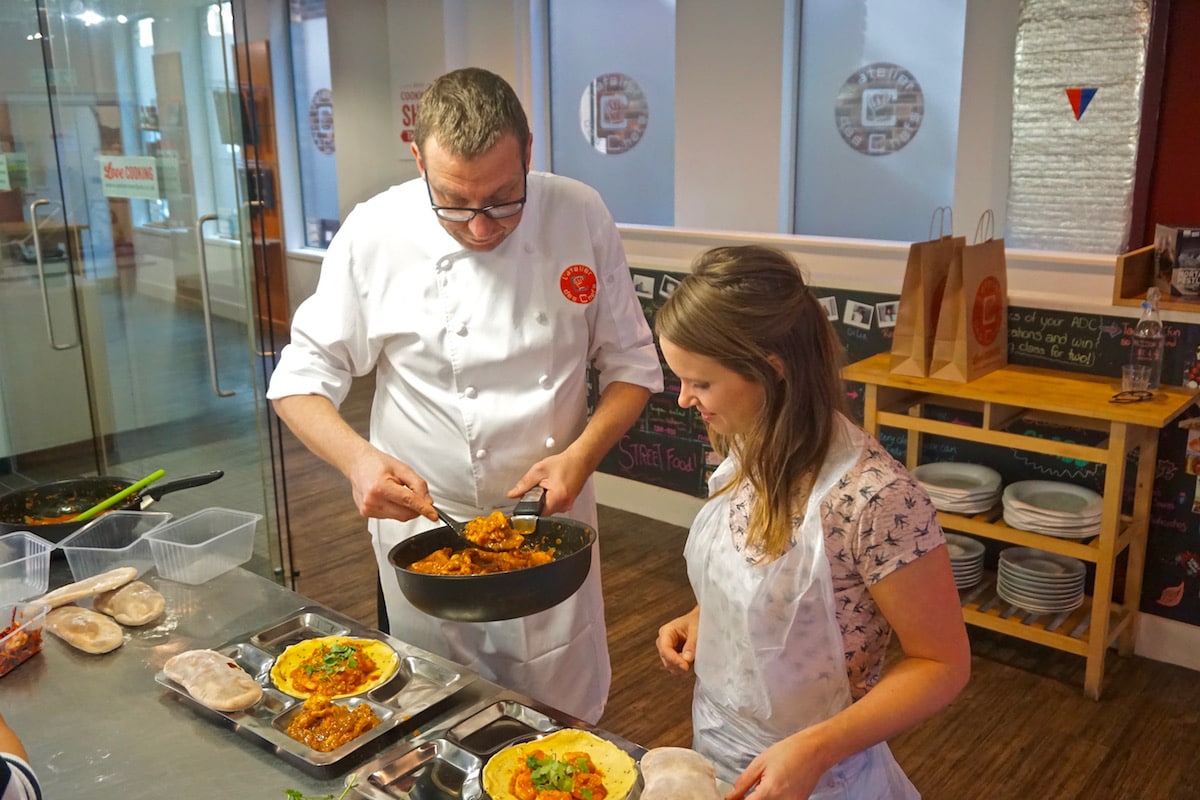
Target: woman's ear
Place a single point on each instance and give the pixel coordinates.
(776, 364)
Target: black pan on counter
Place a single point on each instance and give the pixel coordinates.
(497, 595)
(76, 495)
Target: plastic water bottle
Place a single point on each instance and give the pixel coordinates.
(1147, 343)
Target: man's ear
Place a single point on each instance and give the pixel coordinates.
(417, 155)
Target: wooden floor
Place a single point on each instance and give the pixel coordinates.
(1021, 729)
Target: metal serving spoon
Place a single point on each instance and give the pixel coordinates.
(510, 542)
(522, 522)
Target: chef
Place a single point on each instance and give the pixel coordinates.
(480, 293)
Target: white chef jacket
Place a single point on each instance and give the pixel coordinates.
(481, 363)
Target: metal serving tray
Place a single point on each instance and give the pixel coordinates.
(421, 687)
(447, 764)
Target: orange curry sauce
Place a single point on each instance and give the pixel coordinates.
(325, 726)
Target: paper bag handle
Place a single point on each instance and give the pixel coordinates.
(985, 229)
(943, 218)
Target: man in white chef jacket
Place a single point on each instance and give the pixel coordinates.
(480, 293)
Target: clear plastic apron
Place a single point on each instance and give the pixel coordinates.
(769, 656)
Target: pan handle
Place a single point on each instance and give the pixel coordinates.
(532, 503)
(156, 492)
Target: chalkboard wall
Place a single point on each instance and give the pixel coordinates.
(668, 446)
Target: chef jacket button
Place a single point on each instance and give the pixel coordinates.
(481, 454)
(470, 393)
(528, 247)
(462, 329)
(549, 442)
(545, 382)
(444, 264)
(541, 317)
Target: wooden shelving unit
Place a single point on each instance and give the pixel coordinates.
(1135, 274)
(1011, 395)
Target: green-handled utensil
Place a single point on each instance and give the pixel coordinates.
(121, 495)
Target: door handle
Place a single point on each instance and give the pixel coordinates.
(207, 305)
(41, 270)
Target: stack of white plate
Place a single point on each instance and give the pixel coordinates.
(1053, 508)
(1039, 581)
(966, 559)
(959, 488)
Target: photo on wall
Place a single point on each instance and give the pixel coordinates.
(859, 314)
(885, 313)
(830, 306)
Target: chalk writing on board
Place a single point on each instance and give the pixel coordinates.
(1170, 523)
(1054, 337)
(658, 460)
(894, 441)
(1059, 468)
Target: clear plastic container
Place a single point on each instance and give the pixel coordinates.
(116, 539)
(199, 547)
(25, 639)
(24, 566)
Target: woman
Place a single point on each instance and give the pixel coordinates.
(815, 545)
(17, 781)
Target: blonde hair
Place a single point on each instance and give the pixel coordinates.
(748, 308)
(469, 110)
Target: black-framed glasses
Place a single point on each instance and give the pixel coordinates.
(1131, 396)
(496, 211)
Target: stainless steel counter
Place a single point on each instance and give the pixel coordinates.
(100, 727)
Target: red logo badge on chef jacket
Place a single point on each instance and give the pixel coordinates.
(578, 284)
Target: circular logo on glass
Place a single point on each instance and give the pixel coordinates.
(613, 113)
(320, 120)
(879, 109)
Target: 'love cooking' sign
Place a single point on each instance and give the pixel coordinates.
(130, 176)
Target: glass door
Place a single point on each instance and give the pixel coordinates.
(129, 311)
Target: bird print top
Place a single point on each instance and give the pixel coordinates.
(876, 519)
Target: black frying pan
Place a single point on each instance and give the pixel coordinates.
(498, 595)
(20, 509)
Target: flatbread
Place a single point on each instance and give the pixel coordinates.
(105, 581)
(677, 773)
(283, 671)
(84, 629)
(213, 680)
(617, 767)
(134, 604)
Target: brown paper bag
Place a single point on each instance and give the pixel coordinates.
(972, 328)
(920, 299)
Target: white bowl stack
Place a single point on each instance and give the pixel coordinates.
(959, 487)
(1046, 583)
(966, 559)
(1053, 508)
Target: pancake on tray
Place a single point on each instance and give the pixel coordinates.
(570, 760)
(334, 666)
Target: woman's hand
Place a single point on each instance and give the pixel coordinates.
(676, 642)
(788, 769)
